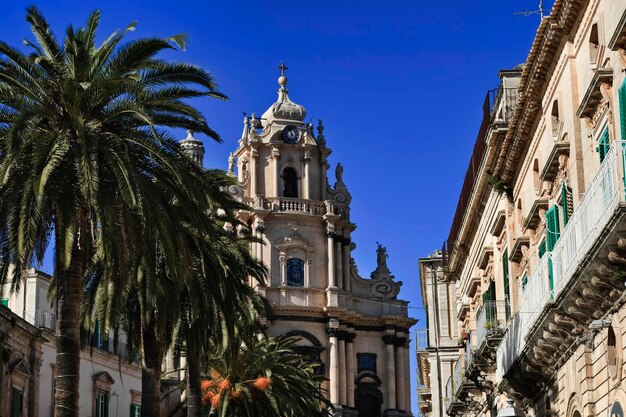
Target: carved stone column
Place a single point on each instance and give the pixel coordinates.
(407, 382)
(333, 353)
(275, 158)
(346, 264)
(260, 228)
(254, 154)
(338, 261)
(390, 377)
(330, 234)
(342, 367)
(350, 373)
(305, 181)
(323, 168)
(400, 373)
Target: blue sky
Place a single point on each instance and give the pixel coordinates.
(398, 84)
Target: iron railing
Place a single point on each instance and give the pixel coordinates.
(490, 319)
(45, 319)
(421, 340)
(556, 268)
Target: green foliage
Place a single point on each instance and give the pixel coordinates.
(265, 378)
(499, 186)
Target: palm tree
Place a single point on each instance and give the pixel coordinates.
(82, 149)
(265, 378)
(198, 309)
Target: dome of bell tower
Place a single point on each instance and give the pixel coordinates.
(284, 108)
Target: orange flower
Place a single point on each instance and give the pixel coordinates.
(223, 384)
(206, 384)
(215, 401)
(262, 383)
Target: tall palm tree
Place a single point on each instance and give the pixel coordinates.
(265, 378)
(82, 147)
(197, 309)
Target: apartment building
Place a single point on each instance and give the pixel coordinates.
(537, 248)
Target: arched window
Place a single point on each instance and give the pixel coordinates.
(295, 272)
(290, 183)
(611, 351)
(556, 120)
(536, 179)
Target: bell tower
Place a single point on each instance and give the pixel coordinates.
(281, 164)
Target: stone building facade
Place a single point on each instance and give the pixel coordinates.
(110, 381)
(537, 248)
(356, 327)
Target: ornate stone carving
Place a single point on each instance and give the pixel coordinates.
(383, 284)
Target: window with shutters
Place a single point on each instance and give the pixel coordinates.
(366, 362)
(102, 403)
(622, 109)
(603, 145)
(542, 248)
(567, 203)
(17, 402)
(135, 410)
(524, 282)
(552, 235)
(505, 275)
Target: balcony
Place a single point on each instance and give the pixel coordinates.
(559, 300)
(421, 340)
(296, 205)
(45, 319)
(455, 388)
(490, 326)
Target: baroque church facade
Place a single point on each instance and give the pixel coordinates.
(356, 327)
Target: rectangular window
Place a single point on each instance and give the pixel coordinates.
(542, 248)
(567, 203)
(366, 362)
(135, 410)
(552, 227)
(603, 145)
(102, 403)
(4, 302)
(17, 403)
(505, 276)
(622, 109)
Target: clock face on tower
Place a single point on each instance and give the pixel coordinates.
(290, 134)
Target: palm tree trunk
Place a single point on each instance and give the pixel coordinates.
(194, 392)
(151, 371)
(69, 298)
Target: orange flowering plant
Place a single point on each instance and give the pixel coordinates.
(265, 378)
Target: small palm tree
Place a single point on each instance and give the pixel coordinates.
(265, 378)
(83, 154)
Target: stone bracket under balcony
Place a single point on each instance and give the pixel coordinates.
(594, 289)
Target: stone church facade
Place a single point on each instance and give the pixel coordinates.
(357, 327)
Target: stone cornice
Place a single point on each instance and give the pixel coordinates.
(551, 35)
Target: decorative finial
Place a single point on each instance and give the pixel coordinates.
(282, 67)
(282, 80)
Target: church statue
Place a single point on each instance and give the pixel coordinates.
(339, 172)
(231, 163)
(381, 256)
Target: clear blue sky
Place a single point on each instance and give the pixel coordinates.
(398, 84)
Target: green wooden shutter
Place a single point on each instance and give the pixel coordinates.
(565, 203)
(135, 410)
(552, 224)
(622, 109)
(505, 273)
(603, 145)
(4, 302)
(542, 248)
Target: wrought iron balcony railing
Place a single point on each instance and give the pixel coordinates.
(421, 340)
(491, 320)
(556, 268)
